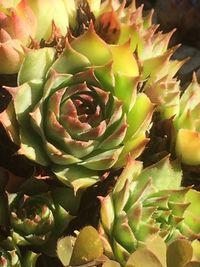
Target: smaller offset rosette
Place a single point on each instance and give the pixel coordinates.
(187, 125)
(10, 255)
(36, 219)
(146, 202)
(79, 113)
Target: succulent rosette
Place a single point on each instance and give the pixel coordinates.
(87, 248)
(35, 219)
(18, 20)
(117, 24)
(79, 113)
(26, 18)
(61, 12)
(156, 253)
(10, 255)
(146, 202)
(187, 125)
(25, 23)
(18, 24)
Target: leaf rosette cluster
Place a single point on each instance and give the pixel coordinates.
(81, 251)
(36, 219)
(10, 255)
(79, 109)
(187, 125)
(146, 202)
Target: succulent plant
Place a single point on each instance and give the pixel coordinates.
(18, 20)
(81, 249)
(10, 255)
(81, 111)
(25, 23)
(17, 25)
(11, 53)
(187, 125)
(61, 12)
(36, 219)
(118, 24)
(74, 109)
(155, 253)
(87, 249)
(146, 202)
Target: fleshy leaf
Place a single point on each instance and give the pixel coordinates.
(179, 252)
(30, 259)
(36, 64)
(65, 248)
(134, 147)
(128, 96)
(185, 151)
(143, 258)
(75, 176)
(102, 161)
(126, 64)
(105, 76)
(93, 47)
(140, 116)
(172, 175)
(192, 214)
(107, 213)
(157, 246)
(70, 61)
(88, 246)
(24, 98)
(196, 249)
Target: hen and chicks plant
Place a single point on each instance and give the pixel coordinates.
(90, 78)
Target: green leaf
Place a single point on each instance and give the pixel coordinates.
(93, 47)
(70, 61)
(125, 90)
(62, 219)
(102, 161)
(196, 249)
(189, 154)
(139, 117)
(192, 214)
(107, 213)
(65, 248)
(123, 233)
(157, 246)
(126, 64)
(143, 258)
(76, 177)
(153, 65)
(105, 76)
(36, 64)
(67, 199)
(30, 259)
(164, 176)
(179, 252)
(133, 147)
(88, 246)
(9, 122)
(24, 98)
